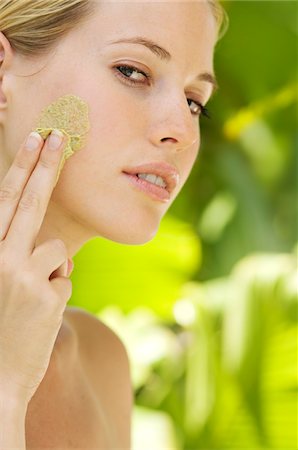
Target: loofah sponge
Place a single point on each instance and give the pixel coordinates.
(70, 115)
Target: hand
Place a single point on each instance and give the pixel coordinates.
(34, 288)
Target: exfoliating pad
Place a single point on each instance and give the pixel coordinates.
(69, 114)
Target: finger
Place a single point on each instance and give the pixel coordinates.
(15, 180)
(63, 287)
(49, 259)
(26, 223)
(70, 267)
(60, 272)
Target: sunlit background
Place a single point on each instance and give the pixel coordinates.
(208, 309)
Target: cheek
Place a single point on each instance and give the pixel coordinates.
(107, 139)
(111, 106)
(103, 114)
(191, 156)
(188, 160)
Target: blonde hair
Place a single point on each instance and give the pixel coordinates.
(33, 27)
(221, 17)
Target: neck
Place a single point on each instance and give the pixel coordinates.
(58, 223)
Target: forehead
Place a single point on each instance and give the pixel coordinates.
(185, 27)
(164, 16)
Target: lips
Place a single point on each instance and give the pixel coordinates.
(166, 171)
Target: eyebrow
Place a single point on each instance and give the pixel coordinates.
(164, 55)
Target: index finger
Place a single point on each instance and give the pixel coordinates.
(34, 201)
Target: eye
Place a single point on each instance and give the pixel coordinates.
(122, 69)
(129, 70)
(199, 109)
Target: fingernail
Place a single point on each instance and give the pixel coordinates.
(70, 266)
(55, 139)
(33, 141)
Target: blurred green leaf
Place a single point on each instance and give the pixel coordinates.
(107, 272)
(208, 309)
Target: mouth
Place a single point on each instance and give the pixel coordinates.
(154, 191)
(159, 174)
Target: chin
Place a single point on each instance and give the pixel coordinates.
(129, 235)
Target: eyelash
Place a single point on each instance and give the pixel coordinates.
(202, 110)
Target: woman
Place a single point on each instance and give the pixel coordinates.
(145, 69)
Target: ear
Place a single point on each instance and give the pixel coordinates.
(6, 56)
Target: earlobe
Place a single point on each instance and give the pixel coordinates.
(3, 99)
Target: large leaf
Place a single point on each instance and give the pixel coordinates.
(108, 273)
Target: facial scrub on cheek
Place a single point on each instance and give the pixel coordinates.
(70, 115)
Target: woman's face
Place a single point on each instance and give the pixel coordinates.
(153, 120)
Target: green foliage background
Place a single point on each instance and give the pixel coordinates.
(208, 308)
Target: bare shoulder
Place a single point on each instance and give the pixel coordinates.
(97, 340)
(105, 360)
(87, 324)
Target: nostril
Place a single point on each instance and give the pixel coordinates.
(172, 139)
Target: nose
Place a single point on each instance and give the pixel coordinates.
(173, 126)
(179, 148)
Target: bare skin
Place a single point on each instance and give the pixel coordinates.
(83, 397)
(85, 389)
(62, 366)
(154, 120)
